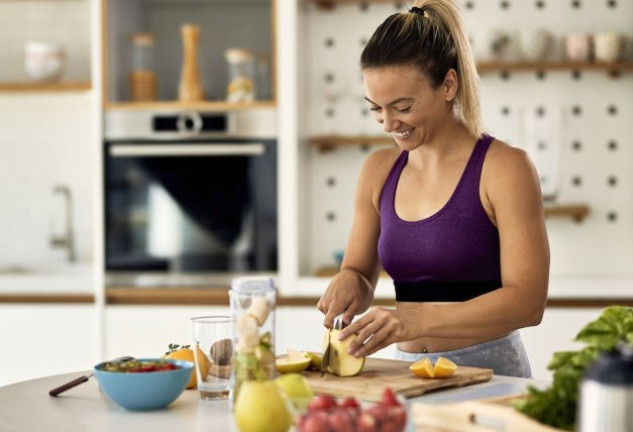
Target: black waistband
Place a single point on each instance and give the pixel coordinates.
(437, 291)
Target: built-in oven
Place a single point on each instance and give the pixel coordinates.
(190, 197)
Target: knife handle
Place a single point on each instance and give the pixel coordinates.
(62, 388)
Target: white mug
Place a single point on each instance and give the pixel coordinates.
(608, 46)
(578, 47)
(44, 61)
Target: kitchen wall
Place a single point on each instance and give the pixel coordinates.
(576, 126)
(63, 22)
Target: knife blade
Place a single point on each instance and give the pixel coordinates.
(325, 360)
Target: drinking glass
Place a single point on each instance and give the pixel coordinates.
(213, 351)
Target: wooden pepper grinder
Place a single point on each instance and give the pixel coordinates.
(190, 88)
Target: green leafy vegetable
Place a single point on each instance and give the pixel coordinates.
(557, 405)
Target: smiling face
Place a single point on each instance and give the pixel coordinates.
(403, 101)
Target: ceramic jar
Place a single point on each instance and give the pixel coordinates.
(608, 46)
(44, 61)
(490, 45)
(535, 44)
(578, 47)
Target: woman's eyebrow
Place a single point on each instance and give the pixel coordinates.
(402, 99)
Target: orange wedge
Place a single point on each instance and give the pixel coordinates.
(423, 368)
(444, 368)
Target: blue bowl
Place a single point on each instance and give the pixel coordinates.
(143, 391)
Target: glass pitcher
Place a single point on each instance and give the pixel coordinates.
(253, 302)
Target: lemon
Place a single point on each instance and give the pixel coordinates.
(187, 354)
(443, 368)
(423, 368)
(292, 364)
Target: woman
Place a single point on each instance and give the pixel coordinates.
(454, 216)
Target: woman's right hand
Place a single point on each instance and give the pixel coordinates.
(349, 293)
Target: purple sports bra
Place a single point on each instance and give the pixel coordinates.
(452, 255)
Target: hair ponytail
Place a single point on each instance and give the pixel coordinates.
(431, 36)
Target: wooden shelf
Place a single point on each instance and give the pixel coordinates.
(577, 212)
(328, 142)
(613, 69)
(199, 106)
(330, 4)
(45, 87)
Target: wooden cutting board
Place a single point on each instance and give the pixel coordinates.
(380, 373)
(486, 415)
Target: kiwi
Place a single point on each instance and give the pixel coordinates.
(222, 351)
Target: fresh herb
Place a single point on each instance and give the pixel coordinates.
(557, 405)
(175, 347)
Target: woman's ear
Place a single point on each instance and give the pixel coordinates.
(450, 85)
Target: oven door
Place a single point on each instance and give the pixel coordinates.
(195, 211)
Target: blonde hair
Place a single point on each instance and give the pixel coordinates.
(432, 37)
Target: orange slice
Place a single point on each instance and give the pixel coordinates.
(423, 368)
(444, 368)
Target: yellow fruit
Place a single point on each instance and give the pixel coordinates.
(315, 360)
(286, 365)
(341, 363)
(423, 368)
(444, 368)
(261, 407)
(187, 354)
(297, 389)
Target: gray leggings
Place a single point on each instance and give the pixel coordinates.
(506, 356)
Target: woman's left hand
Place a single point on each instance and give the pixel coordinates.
(378, 328)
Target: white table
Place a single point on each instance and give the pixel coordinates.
(26, 406)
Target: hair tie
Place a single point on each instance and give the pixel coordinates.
(417, 10)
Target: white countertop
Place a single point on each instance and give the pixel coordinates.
(26, 406)
(48, 279)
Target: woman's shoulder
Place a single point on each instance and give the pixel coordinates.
(379, 163)
(504, 157)
(507, 167)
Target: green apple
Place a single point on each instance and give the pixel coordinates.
(261, 407)
(297, 388)
(341, 363)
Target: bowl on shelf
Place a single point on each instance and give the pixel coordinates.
(44, 61)
(144, 391)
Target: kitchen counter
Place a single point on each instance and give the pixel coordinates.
(27, 406)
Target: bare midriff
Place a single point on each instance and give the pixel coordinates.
(430, 344)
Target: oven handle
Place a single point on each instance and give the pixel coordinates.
(182, 150)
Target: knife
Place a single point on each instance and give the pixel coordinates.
(325, 360)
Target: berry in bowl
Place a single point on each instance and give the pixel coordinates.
(143, 384)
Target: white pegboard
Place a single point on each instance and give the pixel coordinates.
(576, 127)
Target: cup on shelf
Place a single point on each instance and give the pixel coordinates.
(578, 47)
(608, 46)
(44, 60)
(535, 44)
(490, 45)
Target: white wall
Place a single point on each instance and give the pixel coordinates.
(63, 22)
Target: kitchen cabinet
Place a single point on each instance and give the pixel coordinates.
(39, 340)
(218, 21)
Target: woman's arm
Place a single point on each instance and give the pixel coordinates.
(512, 191)
(351, 291)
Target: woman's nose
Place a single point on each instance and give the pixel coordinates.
(388, 123)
